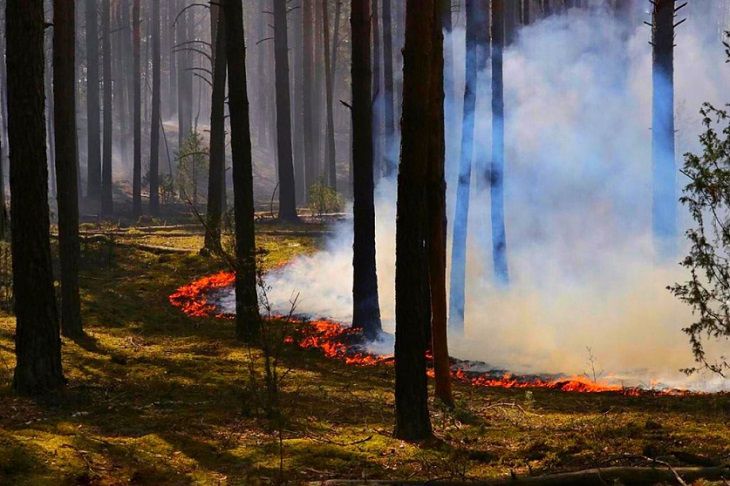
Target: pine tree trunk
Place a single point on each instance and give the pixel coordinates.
(366, 309)
(137, 122)
(93, 110)
(381, 167)
(64, 87)
(172, 9)
(499, 236)
(155, 121)
(107, 205)
(412, 306)
(329, 151)
(217, 138)
(37, 340)
(308, 96)
(247, 310)
(287, 196)
(390, 145)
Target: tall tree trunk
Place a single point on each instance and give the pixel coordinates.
(496, 174)
(50, 135)
(287, 196)
(107, 205)
(93, 111)
(390, 146)
(172, 9)
(664, 209)
(437, 215)
(477, 50)
(155, 119)
(412, 304)
(366, 308)
(329, 153)
(64, 87)
(182, 72)
(309, 96)
(381, 166)
(247, 309)
(137, 163)
(217, 137)
(37, 340)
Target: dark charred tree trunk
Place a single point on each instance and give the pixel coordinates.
(247, 309)
(217, 138)
(155, 121)
(64, 87)
(496, 174)
(330, 156)
(390, 148)
(477, 50)
(366, 311)
(437, 215)
(107, 205)
(308, 95)
(93, 111)
(287, 191)
(37, 339)
(664, 214)
(137, 122)
(412, 304)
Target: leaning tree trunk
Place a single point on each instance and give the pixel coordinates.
(412, 304)
(366, 309)
(137, 122)
(217, 137)
(64, 92)
(496, 175)
(287, 191)
(247, 310)
(390, 147)
(93, 162)
(664, 209)
(37, 340)
(437, 215)
(107, 205)
(155, 120)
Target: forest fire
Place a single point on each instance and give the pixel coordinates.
(343, 343)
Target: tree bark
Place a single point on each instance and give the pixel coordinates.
(412, 279)
(308, 96)
(390, 147)
(247, 309)
(499, 236)
(37, 340)
(329, 150)
(93, 162)
(137, 122)
(381, 167)
(366, 309)
(107, 205)
(287, 191)
(64, 87)
(155, 120)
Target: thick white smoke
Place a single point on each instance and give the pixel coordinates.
(578, 207)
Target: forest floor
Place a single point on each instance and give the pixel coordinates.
(155, 397)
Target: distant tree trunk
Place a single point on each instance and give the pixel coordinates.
(154, 176)
(329, 152)
(64, 87)
(308, 96)
(184, 113)
(137, 164)
(390, 147)
(381, 167)
(499, 236)
(437, 215)
(525, 13)
(37, 339)
(107, 205)
(287, 196)
(477, 49)
(3, 207)
(93, 162)
(247, 309)
(412, 304)
(366, 309)
(172, 9)
(664, 214)
(50, 135)
(510, 15)
(217, 138)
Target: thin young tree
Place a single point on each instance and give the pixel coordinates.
(107, 205)
(137, 122)
(247, 309)
(308, 95)
(496, 173)
(366, 308)
(154, 175)
(93, 110)
(217, 135)
(37, 338)
(287, 189)
(64, 92)
(412, 293)
(330, 60)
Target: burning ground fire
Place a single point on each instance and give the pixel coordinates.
(337, 341)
